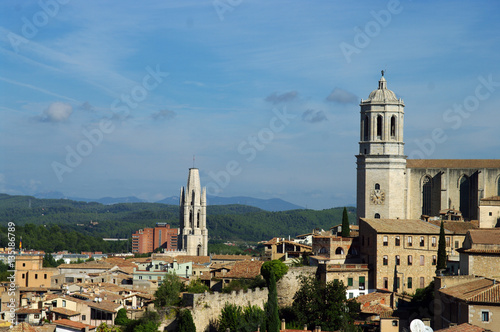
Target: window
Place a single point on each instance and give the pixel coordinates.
(410, 282)
(490, 214)
(386, 283)
(361, 281)
(386, 241)
(377, 216)
(397, 241)
(485, 316)
(397, 260)
(84, 317)
(448, 242)
(410, 241)
(410, 260)
(434, 260)
(339, 251)
(377, 186)
(349, 281)
(385, 260)
(422, 241)
(351, 295)
(393, 126)
(394, 323)
(433, 241)
(426, 196)
(45, 276)
(140, 277)
(36, 275)
(456, 244)
(24, 264)
(422, 260)
(397, 282)
(36, 316)
(23, 275)
(367, 128)
(64, 303)
(379, 127)
(422, 282)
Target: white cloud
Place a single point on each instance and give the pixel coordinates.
(57, 112)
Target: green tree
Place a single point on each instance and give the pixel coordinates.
(323, 304)
(346, 231)
(276, 267)
(230, 318)
(186, 323)
(272, 315)
(441, 255)
(121, 317)
(49, 261)
(196, 286)
(168, 293)
(105, 328)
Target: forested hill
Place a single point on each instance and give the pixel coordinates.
(225, 222)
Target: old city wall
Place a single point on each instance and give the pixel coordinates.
(289, 284)
(206, 308)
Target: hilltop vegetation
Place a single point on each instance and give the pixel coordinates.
(87, 223)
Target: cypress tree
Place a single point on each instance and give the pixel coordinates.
(346, 231)
(441, 255)
(272, 315)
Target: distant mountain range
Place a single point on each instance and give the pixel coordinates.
(273, 204)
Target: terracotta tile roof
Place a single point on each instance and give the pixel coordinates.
(453, 163)
(481, 290)
(457, 227)
(485, 236)
(377, 309)
(28, 311)
(231, 257)
(403, 226)
(70, 323)
(65, 312)
(245, 269)
(464, 327)
(88, 265)
(194, 259)
(24, 327)
(375, 296)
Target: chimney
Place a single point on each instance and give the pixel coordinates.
(283, 325)
(305, 327)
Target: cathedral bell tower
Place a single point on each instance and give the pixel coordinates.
(381, 163)
(193, 236)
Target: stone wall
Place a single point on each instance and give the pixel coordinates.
(206, 308)
(289, 284)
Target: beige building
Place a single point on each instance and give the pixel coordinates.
(279, 248)
(353, 276)
(489, 212)
(480, 253)
(193, 236)
(402, 254)
(467, 299)
(31, 273)
(390, 186)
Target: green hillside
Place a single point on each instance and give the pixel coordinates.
(57, 224)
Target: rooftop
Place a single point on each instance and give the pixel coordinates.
(481, 290)
(485, 236)
(403, 226)
(245, 269)
(464, 327)
(453, 163)
(456, 227)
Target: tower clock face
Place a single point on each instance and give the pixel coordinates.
(377, 197)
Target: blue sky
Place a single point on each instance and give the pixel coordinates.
(114, 98)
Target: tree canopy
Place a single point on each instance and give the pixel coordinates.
(168, 292)
(276, 267)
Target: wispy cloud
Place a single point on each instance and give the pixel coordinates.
(276, 98)
(56, 112)
(163, 115)
(342, 96)
(29, 86)
(313, 116)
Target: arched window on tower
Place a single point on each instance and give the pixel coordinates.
(377, 216)
(379, 126)
(339, 251)
(465, 196)
(198, 219)
(198, 250)
(393, 127)
(377, 186)
(366, 130)
(426, 196)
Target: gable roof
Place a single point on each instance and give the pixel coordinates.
(464, 327)
(453, 163)
(70, 323)
(403, 226)
(485, 236)
(457, 227)
(245, 269)
(481, 290)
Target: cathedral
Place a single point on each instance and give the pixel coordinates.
(390, 186)
(193, 237)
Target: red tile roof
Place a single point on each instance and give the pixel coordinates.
(65, 312)
(245, 269)
(465, 327)
(481, 290)
(70, 323)
(457, 227)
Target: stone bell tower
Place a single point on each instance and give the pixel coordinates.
(381, 163)
(193, 236)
